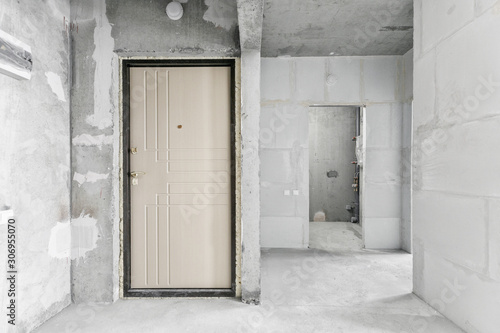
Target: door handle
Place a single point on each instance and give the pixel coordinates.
(135, 174)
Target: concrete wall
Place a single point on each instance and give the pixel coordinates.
(250, 168)
(456, 184)
(35, 161)
(105, 30)
(331, 148)
(289, 86)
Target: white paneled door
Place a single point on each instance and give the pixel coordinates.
(180, 162)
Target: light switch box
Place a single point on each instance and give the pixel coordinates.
(286, 192)
(295, 192)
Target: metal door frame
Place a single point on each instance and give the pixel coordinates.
(127, 290)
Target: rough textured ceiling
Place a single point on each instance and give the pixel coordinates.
(344, 27)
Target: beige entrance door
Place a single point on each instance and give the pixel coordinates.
(180, 162)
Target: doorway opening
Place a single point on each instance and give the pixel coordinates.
(334, 175)
(179, 178)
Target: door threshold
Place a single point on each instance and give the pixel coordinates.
(188, 292)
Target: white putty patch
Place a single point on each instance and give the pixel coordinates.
(73, 239)
(93, 140)
(5, 215)
(89, 177)
(60, 240)
(84, 235)
(55, 84)
(28, 147)
(103, 57)
(222, 13)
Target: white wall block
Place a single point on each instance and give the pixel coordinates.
(382, 200)
(380, 78)
(494, 239)
(406, 232)
(382, 233)
(377, 120)
(383, 166)
(275, 83)
(441, 18)
(396, 125)
(276, 166)
(279, 204)
(469, 299)
(468, 79)
(288, 126)
(460, 159)
(310, 79)
(268, 125)
(456, 121)
(345, 72)
(283, 232)
(284, 152)
(453, 226)
(424, 90)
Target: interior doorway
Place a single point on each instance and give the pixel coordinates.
(333, 171)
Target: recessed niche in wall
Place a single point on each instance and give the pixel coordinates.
(15, 57)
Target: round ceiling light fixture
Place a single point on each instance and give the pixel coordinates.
(174, 10)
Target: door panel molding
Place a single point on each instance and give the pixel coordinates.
(171, 154)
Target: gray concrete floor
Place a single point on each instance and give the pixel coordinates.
(335, 286)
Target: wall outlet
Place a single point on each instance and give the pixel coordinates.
(295, 192)
(286, 192)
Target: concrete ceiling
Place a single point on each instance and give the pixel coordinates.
(345, 27)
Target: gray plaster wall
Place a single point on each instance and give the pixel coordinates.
(35, 161)
(105, 31)
(331, 148)
(288, 87)
(250, 175)
(455, 160)
(250, 16)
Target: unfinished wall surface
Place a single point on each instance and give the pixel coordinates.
(456, 186)
(331, 151)
(35, 162)
(406, 152)
(289, 86)
(104, 31)
(250, 195)
(320, 27)
(250, 16)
